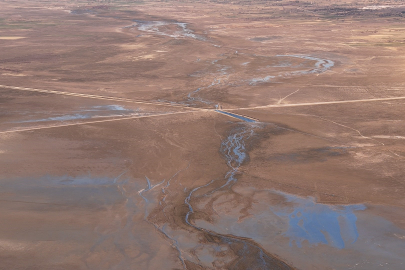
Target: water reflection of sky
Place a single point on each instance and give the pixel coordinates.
(334, 225)
(86, 113)
(320, 66)
(237, 116)
(159, 28)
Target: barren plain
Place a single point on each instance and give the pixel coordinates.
(202, 134)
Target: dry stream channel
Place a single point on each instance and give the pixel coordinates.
(232, 243)
(279, 229)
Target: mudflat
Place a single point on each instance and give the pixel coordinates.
(202, 135)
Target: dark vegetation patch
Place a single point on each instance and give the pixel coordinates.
(6, 93)
(176, 42)
(89, 9)
(309, 155)
(259, 39)
(352, 12)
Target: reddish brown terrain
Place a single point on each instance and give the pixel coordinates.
(202, 134)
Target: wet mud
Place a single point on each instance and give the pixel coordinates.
(292, 227)
(225, 250)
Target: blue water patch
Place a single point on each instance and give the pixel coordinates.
(92, 112)
(333, 225)
(321, 65)
(63, 191)
(237, 116)
(80, 181)
(261, 80)
(61, 118)
(109, 108)
(160, 28)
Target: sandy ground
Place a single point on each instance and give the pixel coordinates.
(202, 135)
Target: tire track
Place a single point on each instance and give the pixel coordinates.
(73, 94)
(316, 103)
